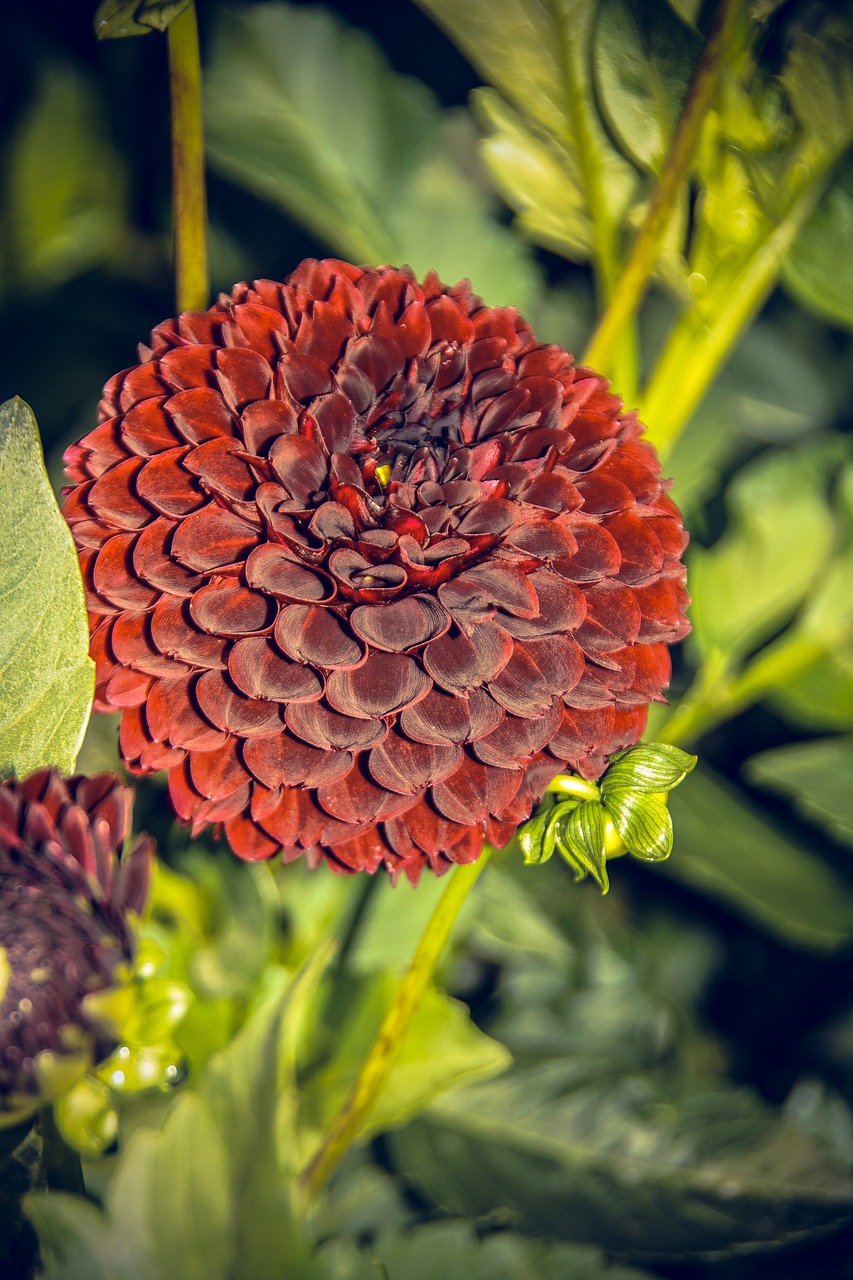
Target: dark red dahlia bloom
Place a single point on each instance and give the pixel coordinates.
(64, 934)
(368, 565)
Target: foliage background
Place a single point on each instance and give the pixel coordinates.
(683, 1049)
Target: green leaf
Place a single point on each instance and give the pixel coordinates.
(648, 768)
(86, 1116)
(816, 776)
(441, 1050)
(581, 838)
(644, 58)
(729, 850)
(780, 533)
(641, 1169)
(66, 183)
(643, 822)
(371, 165)
(821, 698)
(818, 269)
(46, 675)
(117, 18)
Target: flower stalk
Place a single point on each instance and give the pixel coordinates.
(378, 1065)
(188, 190)
(630, 289)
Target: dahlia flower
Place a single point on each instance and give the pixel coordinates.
(368, 565)
(65, 943)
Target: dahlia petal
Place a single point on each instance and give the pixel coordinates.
(113, 496)
(172, 717)
(153, 562)
(247, 839)
(413, 331)
(281, 760)
(544, 539)
(474, 790)
(401, 624)
(113, 578)
(320, 726)
(259, 327)
(146, 429)
(662, 606)
(430, 831)
(221, 471)
(224, 608)
(559, 658)
(185, 799)
(324, 333)
(602, 494)
(364, 852)
(521, 688)
(212, 538)
(304, 376)
(385, 683)
(355, 799)
(200, 414)
(259, 671)
(597, 555)
(132, 644)
(141, 383)
(406, 767)
(294, 819)
(133, 735)
(562, 608)
(219, 772)
(612, 621)
(167, 487)
(380, 358)
(174, 634)
(264, 421)
(224, 706)
(189, 366)
(269, 568)
(443, 718)
(242, 375)
(222, 808)
(516, 738)
(639, 547)
(128, 688)
(300, 465)
(314, 635)
(461, 662)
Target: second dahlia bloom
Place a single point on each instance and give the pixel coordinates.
(65, 940)
(368, 565)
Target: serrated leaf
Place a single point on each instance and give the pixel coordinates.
(371, 166)
(115, 19)
(65, 183)
(643, 822)
(696, 1171)
(816, 776)
(581, 838)
(730, 850)
(648, 768)
(644, 58)
(779, 535)
(46, 675)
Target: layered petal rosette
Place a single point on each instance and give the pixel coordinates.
(66, 947)
(368, 565)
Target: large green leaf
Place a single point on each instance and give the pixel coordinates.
(46, 675)
(724, 847)
(816, 776)
(646, 1170)
(369, 164)
(780, 532)
(644, 57)
(65, 183)
(208, 1194)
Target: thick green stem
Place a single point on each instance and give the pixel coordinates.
(62, 1167)
(704, 336)
(188, 193)
(631, 286)
(716, 697)
(605, 230)
(377, 1067)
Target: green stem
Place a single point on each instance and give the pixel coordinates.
(631, 286)
(704, 336)
(379, 1062)
(62, 1166)
(188, 193)
(605, 230)
(716, 697)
